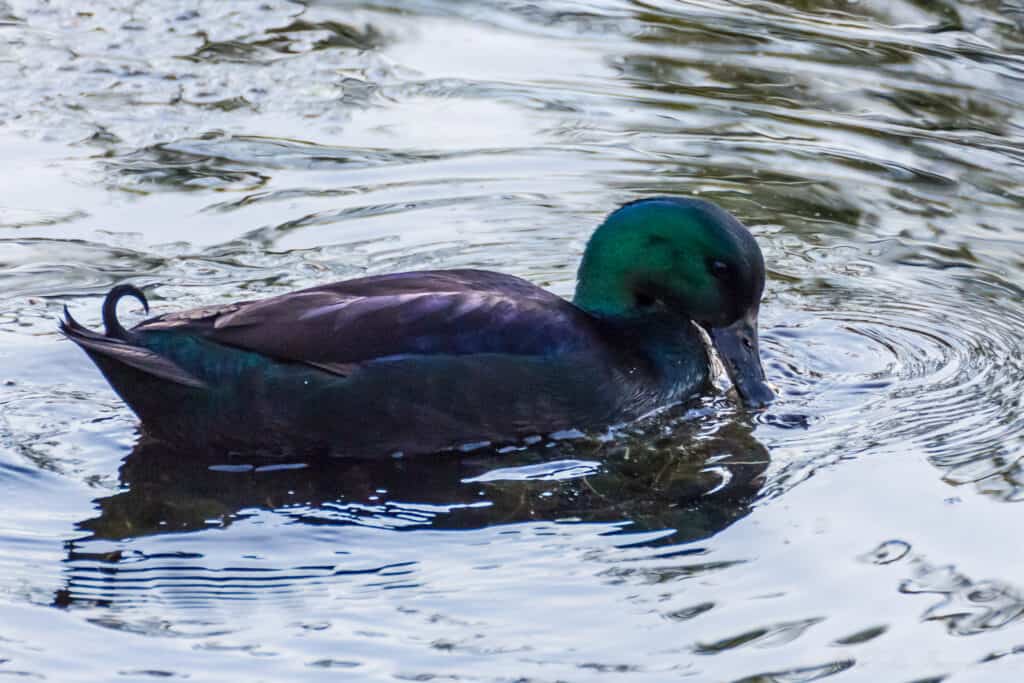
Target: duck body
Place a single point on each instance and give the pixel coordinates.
(413, 362)
(410, 362)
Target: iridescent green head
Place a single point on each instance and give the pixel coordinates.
(686, 258)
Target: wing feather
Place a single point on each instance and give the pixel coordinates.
(339, 326)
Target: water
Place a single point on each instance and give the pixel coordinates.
(863, 529)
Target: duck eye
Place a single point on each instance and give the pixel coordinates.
(644, 300)
(719, 269)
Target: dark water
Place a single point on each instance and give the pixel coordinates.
(867, 528)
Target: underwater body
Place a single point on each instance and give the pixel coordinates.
(859, 527)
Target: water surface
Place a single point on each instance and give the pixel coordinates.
(863, 529)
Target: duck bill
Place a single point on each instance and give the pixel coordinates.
(736, 345)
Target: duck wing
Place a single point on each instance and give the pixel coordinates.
(340, 326)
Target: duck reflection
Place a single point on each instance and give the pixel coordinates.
(679, 474)
(688, 478)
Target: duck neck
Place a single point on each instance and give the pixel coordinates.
(668, 341)
(672, 349)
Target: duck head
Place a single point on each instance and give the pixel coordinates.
(686, 258)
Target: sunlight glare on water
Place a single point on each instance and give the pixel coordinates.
(862, 529)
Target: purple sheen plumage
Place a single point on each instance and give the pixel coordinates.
(455, 312)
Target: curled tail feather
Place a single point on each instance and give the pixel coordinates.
(111, 324)
(120, 346)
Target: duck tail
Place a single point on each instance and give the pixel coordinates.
(118, 348)
(111, 325)
(76, 332)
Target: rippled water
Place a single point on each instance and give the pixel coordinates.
(864, 529)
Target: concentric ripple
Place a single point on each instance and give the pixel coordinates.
(912, 361)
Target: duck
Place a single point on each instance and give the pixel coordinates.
(448, 360)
